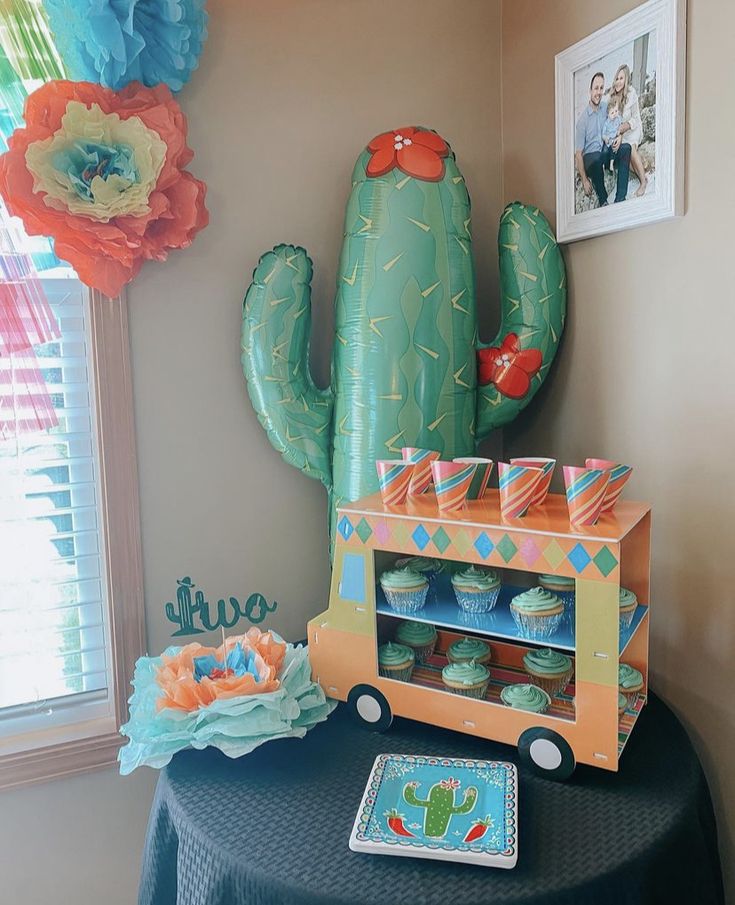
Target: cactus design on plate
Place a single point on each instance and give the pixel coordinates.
(408, 368)
(440, 806)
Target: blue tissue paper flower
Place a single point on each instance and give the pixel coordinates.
(238, 663)
(114, 42)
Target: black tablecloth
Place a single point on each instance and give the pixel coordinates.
(272, 828)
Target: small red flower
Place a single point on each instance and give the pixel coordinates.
(509, 368)
(450, 783)
(417, 152)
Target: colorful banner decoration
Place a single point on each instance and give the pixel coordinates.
(183, 613)
(115, 42)
(405, 362)
(102, 173)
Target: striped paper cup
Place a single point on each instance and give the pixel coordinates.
(547, 467)
(586, 488)
(452, 481)
(394, 478)
(517, 485)
(422, 459)
(481, 478)
(619, 475)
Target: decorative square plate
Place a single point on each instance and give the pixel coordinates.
(447, 808)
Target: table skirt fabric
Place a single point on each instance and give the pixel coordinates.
(272, 828)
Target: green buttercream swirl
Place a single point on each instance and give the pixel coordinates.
(400, 579)
(547, 662)
(423, 564)
(391, 654)
(525, 697)
(622, 701)
(557, 581)
(627, 597)
(468, 649)
(484, 579)
(536, 600)
(470, 673)
(415, 633)
(628, 676)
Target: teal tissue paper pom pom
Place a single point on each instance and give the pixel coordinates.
(114, 42)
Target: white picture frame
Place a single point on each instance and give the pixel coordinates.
(663, 24)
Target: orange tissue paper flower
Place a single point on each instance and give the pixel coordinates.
(101, 172)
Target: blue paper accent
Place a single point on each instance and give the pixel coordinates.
(238, 662)
(579, 557)
(84, 160)
(345, 527)
(352, 585)
(115, 42)
(421, 537)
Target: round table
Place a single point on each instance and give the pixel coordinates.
(273, 827)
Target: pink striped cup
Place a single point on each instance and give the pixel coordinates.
(547, 467)
(452, 481)
(481, 478)
(586, 488)
(422, 459)
(517, 485)
(619, 475)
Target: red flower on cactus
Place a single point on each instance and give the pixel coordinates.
(508, 367)
(417, 152)
(101, 172)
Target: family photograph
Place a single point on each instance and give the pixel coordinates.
(615, 126)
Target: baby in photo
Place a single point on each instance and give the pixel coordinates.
(611, 126)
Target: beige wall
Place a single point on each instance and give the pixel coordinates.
(287, 94)
(645, 372)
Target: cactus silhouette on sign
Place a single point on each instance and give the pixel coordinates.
(407, 351)
(255, 610)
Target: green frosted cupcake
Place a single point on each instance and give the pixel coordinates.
(630, 681)
(622, 704)
(565, 589)
(548, 669)
(476, 590)
(468, 679)
(525, 697)
(537, 613)
(404, 589)
(395, 661)
(419, 636)
(424, 565)
(628, 603)
(467, 649)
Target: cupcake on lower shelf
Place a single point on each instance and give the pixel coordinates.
(419, 636)
(404, 589)
(622, 704)
(565, 589)
(630, 681)
(476, 590)
(525, 697)
(467, 649)
(628, 604)
(537, 613)
(548, 669)
(469, 679)
(395, 661)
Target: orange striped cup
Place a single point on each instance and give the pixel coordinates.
(619, 475)
(517, 484)
(394, 478)
(422, 459)
(547, 467)
(586, 489)
(452, 481)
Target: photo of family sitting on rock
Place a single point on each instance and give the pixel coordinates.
(615, 129)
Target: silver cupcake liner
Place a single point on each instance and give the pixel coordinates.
(406, 601)
(476, 601)
(552, 685)
(423, 652)
(538, 628)
(475, 692)
(625, 620)
(400, 675)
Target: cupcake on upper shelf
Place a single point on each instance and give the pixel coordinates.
(548, 669)
(469, 679)
(525, 697)
(537, 613)
(419, 636)
(467, 649)
(476, 589)
(628, 604)
(424, 565)
(404, 589)
(395, 661)
(630, 681)
(565, 589)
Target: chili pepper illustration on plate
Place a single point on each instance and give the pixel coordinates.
(395, 823)
(478, 829)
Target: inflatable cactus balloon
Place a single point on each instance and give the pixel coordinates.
(408, 368)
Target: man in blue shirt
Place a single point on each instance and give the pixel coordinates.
(588, 147)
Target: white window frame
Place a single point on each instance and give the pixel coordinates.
(64, 752)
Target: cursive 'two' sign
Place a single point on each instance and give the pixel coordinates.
(186, 609)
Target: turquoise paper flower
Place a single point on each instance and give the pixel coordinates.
(114, 42)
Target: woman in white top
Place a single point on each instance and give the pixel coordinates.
(631, 129)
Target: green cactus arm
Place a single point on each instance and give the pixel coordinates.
(533, 305)
(468, 802)
(276, 328)
(410, 797)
